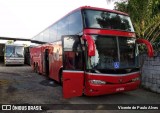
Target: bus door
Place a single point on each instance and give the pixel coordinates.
(46, 62)
(73, 73)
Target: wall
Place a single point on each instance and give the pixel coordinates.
(151, 72)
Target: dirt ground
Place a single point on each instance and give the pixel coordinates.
(20, 85)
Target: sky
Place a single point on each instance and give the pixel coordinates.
(26, 18)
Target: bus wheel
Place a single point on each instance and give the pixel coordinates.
(60, 77)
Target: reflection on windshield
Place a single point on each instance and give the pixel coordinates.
(107, 20)
(14, 51)
(9, 50)
(114, 53)
(19, 51)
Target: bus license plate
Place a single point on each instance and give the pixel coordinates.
(120, 89)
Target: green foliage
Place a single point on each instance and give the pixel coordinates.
(145, 15)
(10, 42)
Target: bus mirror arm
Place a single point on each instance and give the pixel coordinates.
(91, 45)
(148, 45)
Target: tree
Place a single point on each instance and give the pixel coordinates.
(145, 15)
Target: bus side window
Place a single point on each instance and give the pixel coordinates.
(73, 54)
(69, 59)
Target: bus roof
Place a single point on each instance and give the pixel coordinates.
(103, 9)
(14, 45)
(93, 8)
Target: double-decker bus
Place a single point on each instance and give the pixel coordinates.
(91, 51)
(14, 54)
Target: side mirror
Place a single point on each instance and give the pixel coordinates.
(148, 45)
(91, 45)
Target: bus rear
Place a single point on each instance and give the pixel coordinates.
(14, 54)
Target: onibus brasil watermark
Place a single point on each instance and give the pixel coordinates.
(21, 108)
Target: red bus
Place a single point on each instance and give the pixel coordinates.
(91, 51)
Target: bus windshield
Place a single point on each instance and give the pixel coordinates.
(114, 52)
(107, 20)
(14, 51)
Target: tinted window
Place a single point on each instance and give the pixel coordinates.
(40, 37)
(63, 27)
(53, 33)
(107, 20)
(73, 57)
(114, 53)
(127, 52)
(69, 25)
(75, 23)
(72, 44)
(46, 36)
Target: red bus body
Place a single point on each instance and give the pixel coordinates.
(55, 60)
(38, 60)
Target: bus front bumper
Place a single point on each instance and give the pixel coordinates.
(14, 62)
(95, 90)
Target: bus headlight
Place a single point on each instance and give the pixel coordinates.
(98, 82)
(135, 79)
